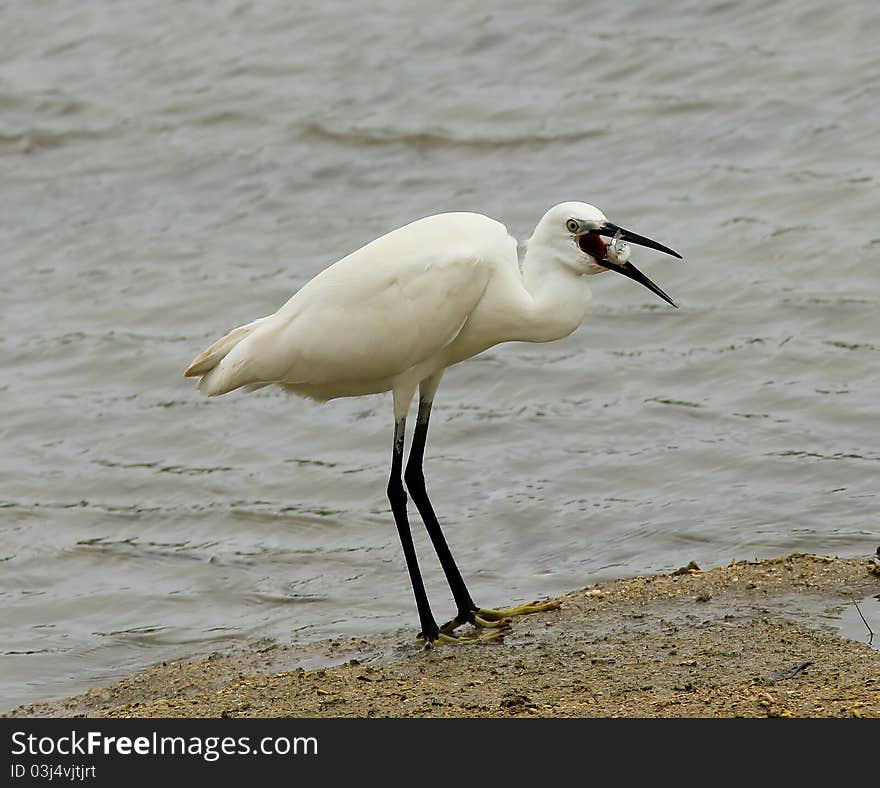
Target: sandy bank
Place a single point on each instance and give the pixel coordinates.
(730, 641)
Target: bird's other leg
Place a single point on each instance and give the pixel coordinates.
(397, 498)
(467, 610)
(415, 482)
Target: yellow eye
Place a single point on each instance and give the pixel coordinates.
(572, 225)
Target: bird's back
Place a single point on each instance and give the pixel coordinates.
(387, 308)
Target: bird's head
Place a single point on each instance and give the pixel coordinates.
(575, 233)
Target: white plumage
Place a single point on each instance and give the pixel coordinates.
(370, 318)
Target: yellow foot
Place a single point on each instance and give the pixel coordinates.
(481, 623)
(490, 616)
(487, 618)
(444, 639)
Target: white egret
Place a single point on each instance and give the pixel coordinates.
(393, 315)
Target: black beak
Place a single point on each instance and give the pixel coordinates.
(628, 269)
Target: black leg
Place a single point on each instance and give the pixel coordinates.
(415, 482)
(397, 497)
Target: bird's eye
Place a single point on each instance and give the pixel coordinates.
(572, 225)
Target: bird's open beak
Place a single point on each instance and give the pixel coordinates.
(628, 269)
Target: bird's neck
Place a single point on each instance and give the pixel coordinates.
(559, 297)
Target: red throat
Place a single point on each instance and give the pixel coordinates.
(593, 244)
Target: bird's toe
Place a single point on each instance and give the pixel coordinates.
(469, 638)
(491, 615)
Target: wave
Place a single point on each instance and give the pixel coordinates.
(38, 139)
(440, 138)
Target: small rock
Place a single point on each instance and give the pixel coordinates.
(788, 673)
(690, 569)
(512, 700)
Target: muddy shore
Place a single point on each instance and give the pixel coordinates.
(752, 639)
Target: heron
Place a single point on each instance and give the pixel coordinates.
(396, 313)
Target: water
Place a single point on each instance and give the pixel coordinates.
(168, 172)
(858, 621)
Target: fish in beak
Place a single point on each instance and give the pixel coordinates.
(615, 256)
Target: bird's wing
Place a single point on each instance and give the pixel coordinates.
(376, 326)
(373, 315)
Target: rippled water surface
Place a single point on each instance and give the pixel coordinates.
(169, 171)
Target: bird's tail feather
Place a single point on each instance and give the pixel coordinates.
(207, 361)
